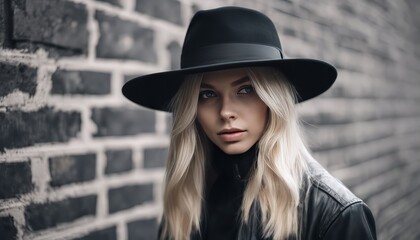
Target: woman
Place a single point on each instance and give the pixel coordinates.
(238, 167)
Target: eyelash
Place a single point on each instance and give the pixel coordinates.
(202, 94)
(248, 87)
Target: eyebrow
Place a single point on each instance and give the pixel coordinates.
(234, 83)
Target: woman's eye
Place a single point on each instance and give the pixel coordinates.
(206, 94)
(246, 89)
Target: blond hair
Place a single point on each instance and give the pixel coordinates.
(274, 184)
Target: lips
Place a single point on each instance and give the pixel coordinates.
(232, 134)
(230, 131)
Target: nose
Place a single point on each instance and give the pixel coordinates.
(227, 109)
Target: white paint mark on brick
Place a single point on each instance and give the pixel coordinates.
(158, 192)
(122, 232)
(102, 202)
(117, 80)
(160, 122)
(40, 174)
(88, 127)
(76, 146)
(137, 157)
(93, 29)
(129, 5)
(105, 65)
(186, 11)
(21, 56)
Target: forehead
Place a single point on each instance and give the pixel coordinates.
(225, 76)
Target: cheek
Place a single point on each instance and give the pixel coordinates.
(204, 117)
(260, 116)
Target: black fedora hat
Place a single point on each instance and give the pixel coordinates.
(230, 37)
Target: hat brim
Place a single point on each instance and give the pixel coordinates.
(310, 77)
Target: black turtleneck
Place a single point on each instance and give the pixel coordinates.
(224, 199)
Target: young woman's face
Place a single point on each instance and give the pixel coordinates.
(229, 110)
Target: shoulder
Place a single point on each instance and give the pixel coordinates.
(330, 208)
(327, 187)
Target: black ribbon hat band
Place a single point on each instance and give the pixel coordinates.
(223, 53)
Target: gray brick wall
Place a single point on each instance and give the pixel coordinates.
(78, 161)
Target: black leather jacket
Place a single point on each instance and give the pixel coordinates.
(328, 210)
(331, 211)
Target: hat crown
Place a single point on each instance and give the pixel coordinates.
(229, 27)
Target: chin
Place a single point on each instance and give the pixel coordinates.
(234, 148)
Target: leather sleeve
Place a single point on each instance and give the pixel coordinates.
(355, 222)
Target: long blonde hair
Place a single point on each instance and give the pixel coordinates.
(275, 182)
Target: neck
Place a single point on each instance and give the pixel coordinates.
(237, 166)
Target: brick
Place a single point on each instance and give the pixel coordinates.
(122, 39)
(380, 5)
(80, 82)
(289, 32)
(143, 229)
(175, 51)
(15, 179)
(2, 25)
(17, 77)
(129, 77)
(21, 129)
(118, 161)
(129, 196)
(123, 121)
(169, 10)
(60, 25)
(347, 7)
(353, 40)
(155, 157)
(46, 215)
(103, 234)
(6, 27)
(7, 228)
(72, 169)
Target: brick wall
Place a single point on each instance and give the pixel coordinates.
(78, 161)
